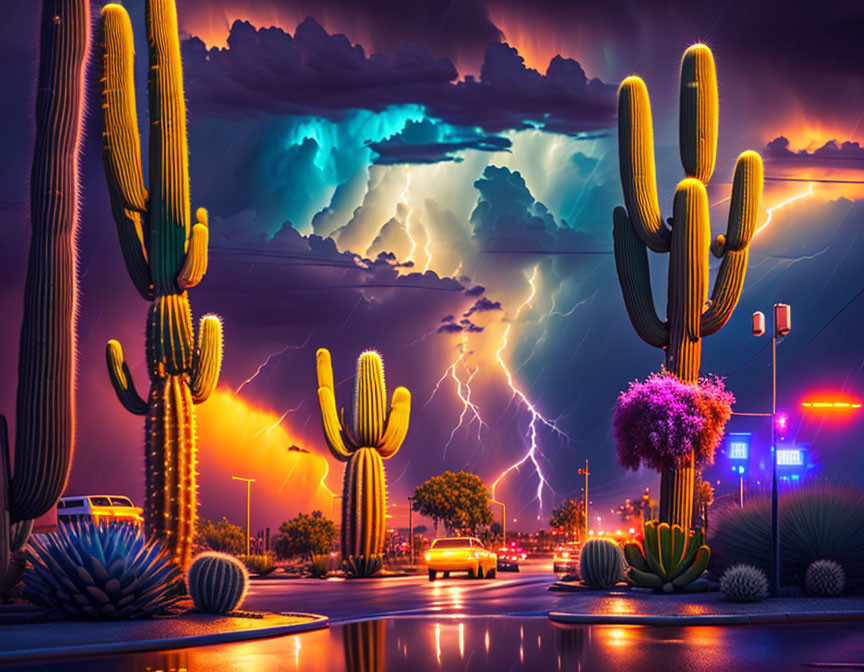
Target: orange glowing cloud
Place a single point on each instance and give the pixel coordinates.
(236, 438)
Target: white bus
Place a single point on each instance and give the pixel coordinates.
(116, 508)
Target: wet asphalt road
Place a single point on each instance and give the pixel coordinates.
(523, 593)
(408, 623)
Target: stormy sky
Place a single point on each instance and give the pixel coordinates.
(435, 180)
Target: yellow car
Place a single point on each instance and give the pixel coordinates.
(461, 554)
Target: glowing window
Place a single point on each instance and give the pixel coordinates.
(790, 457)
(738, 450)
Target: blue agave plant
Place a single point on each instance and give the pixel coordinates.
(104, 570)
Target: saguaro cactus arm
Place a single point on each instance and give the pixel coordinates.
(122, 146)
(196, 256)
(397, 423)
(334, 433)
(208, 358)
(699, 112)
(636, 161)
(170, 211)
(121, 380)
(733, 247)
(631, 261)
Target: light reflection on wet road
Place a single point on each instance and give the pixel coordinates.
(482, 643)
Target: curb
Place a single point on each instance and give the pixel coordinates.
(775, 618)
(166, 643)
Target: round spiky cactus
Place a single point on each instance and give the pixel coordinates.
(824, 578)
(217, 582)
(744, 583)
(100, 571)
(600, 563)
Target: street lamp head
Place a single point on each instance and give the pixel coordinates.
(758, 323)
(782, 319)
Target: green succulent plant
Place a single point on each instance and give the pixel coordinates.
(217, 582)
(600, 563)
(824, 578)
(744, 583)
(100, 571)
(668, 559)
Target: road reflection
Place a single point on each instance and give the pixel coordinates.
(462, 643)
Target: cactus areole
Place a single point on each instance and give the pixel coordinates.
(691, 315)
(377, 434)
(165, 256)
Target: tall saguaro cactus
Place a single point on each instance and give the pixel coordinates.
(165, 256)
(376, 436)
(46, 367)
(690, 314)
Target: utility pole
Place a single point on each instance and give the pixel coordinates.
(586, 473)
(411, 527)
(249, 482)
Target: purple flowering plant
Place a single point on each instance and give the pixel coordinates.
(660, 420)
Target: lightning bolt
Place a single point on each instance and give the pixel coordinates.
(463, 391)
(782, 204)
(271, 427)
(403, 198)
(536, 416)
(269, 358)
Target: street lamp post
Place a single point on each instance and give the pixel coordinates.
(782, 326)
(503, 518)
(249, 482)
(411, 527)
(586, 473)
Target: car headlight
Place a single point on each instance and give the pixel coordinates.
(428, 557)
(476, 555)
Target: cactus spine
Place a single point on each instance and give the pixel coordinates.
(600, 563)
(377, 435)
(690, 315)
(217, 582)
(165, 256)
(45, 409)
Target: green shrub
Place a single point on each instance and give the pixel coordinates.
(259, 565)
(221, 536)
(815, 523)
(319, 568)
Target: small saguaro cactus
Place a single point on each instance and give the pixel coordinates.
(377, 434)
(45, 407)
(165, 256)
(686, 237)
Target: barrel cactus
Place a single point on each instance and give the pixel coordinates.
(165, 256)
(744, 583)
(691, 316)
(100, 571)
(668, 559)
(824, 578)
(45, 408)
(377, 434)
(600, 563)
(217, 582)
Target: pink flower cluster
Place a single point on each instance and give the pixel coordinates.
(660, 421)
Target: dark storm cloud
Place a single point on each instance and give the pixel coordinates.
(314, 73)
(482, 305)
(832, 151)
(427, 141)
